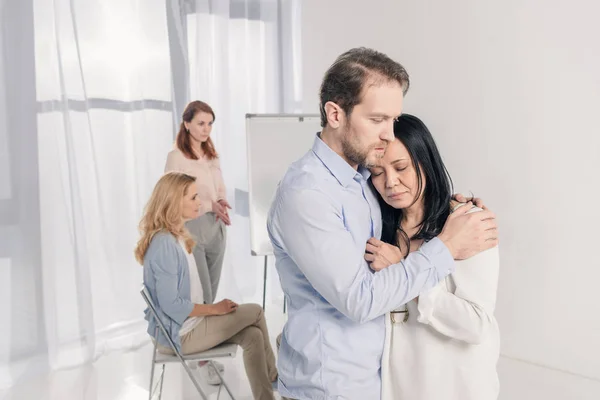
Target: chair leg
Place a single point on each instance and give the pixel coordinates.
(151, 382)
(152, 373)
(219, 392)
(194, 381)
(222, 380)
(162, 379)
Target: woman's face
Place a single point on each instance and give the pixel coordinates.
(395, 177)
(200, 126)
(191, 203)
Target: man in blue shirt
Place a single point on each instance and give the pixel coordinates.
(323, 214)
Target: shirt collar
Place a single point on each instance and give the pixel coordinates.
(339, 168)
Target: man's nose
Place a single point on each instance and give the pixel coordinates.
(388, 133)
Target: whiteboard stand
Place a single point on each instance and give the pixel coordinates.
(264, 297)
(265, 284)
(264, 294)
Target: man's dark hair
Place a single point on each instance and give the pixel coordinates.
(344, 81)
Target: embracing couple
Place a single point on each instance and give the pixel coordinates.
(390, 281)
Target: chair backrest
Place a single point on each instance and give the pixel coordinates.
(148, 299)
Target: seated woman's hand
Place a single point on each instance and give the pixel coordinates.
(381, 255)
(225, 306)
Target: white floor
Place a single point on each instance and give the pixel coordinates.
(125, 376)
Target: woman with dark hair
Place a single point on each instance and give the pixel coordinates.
(194, 154)
(445, 343)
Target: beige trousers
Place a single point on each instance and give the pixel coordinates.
(247, 328)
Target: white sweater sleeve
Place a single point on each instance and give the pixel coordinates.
(468, 313)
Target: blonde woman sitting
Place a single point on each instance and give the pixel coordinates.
(171, 277)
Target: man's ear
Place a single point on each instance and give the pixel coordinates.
(335, 114)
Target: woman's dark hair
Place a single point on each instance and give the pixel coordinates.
(427, 161)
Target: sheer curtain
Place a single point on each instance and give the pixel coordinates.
(103, 93)
(90, 95)
(242, 56)
(86, 144)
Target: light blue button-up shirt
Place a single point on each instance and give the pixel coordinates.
(323, 213)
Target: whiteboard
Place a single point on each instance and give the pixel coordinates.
(273, 142)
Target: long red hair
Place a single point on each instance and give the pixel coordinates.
(184, 142)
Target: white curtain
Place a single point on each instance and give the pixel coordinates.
(241, 56)
(90, 94)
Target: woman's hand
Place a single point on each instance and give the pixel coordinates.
(475, 200)
(381, 255)
(224, 203)
(223, 307)
(221, 212)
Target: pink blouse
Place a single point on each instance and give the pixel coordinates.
(208, 176)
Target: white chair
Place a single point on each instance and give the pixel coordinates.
(220, 351)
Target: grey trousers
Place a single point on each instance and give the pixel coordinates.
(211, 238)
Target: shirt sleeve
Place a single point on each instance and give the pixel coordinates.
(173, 164)
(218, 179)
(324, 250)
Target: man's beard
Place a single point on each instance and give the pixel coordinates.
(357, 156)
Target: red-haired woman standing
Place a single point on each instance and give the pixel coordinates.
(195, 155)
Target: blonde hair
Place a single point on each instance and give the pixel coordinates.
(163, 213)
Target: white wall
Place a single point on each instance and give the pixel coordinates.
(511, 92)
